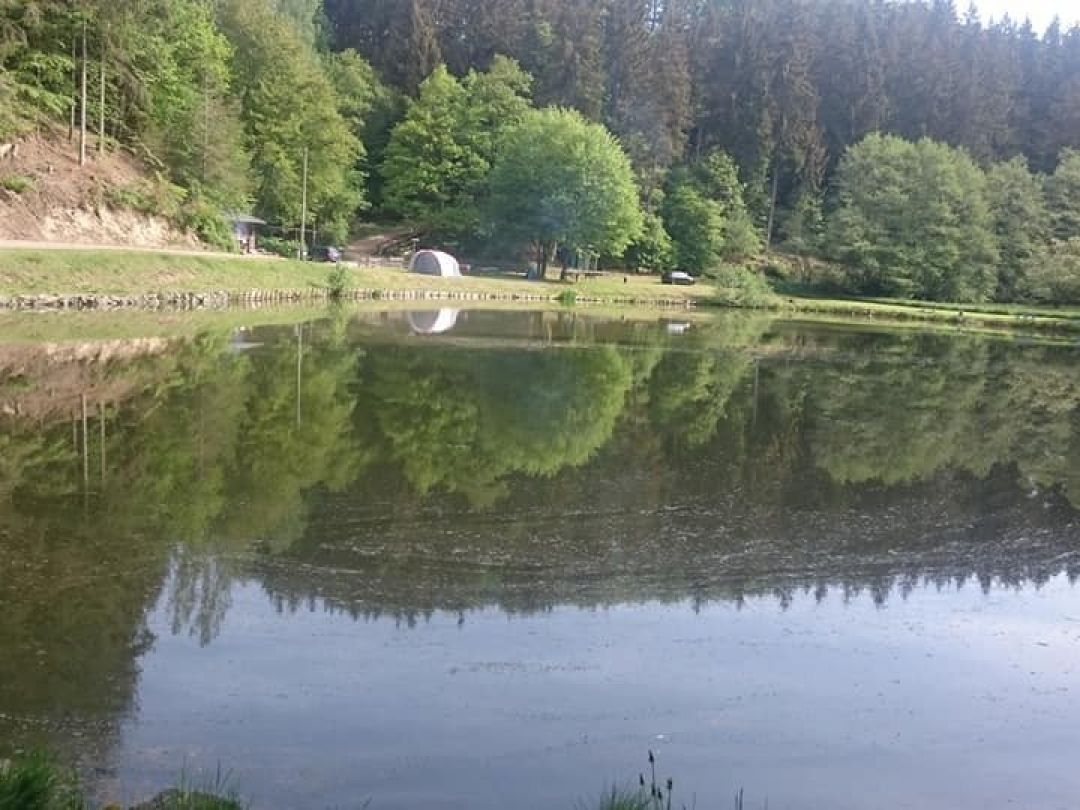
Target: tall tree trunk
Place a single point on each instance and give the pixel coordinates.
(100, 102)
(206, 126)
(772, 207)
(542, 260)
(74, 93)
(82, 102)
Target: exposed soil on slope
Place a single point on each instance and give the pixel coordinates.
(67, 203)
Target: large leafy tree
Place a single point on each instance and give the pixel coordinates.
(706, 215)
(561, 180)
(1021, 222)
(912, 219)
(291, 107)
(438, 158)
(696, 225)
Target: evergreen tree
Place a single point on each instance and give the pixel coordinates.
(1021, 222)
(399, 37)
(564, 52)
(1063, 196)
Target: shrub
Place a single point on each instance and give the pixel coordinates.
(744, 287)
(1053, 274)
(16, 183)
(152, 198)
(208, 223)
(279, 245)
(338, 282)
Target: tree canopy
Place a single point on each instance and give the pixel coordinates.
(912, 219)
(560, 180)
(438, 159)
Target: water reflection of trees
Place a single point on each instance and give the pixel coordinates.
(726, 462)
(862, 464)
(205, 453)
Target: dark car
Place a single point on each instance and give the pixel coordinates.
(324, 253)
(678, 277)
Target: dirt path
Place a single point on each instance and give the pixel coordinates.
(20, 244)
(378, 244)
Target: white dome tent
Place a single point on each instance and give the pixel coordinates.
(434, 263)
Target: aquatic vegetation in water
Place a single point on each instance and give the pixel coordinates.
(37, 783)
(649, 795)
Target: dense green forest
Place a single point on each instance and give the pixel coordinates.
(927, 152)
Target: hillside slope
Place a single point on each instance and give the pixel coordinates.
(45, 196)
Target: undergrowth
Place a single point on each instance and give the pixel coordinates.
(37, 783)
(15, 183)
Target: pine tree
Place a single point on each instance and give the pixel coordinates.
(1063, 196)
(1021, 223)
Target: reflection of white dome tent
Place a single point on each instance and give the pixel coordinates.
(434, 263)
(433, 321)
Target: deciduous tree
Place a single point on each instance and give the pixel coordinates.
(561, 180)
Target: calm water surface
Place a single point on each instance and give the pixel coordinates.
(489, 560)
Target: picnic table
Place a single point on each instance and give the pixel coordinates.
(576, 274)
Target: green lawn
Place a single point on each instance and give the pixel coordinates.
(962, 315)
(130, 272)
(25, 271)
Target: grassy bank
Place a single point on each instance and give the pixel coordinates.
(115, 272)
(967, 316)
(120, 272)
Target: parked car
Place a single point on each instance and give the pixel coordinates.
(678, 277)
(324, 253)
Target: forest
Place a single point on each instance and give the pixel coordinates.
(924, 152)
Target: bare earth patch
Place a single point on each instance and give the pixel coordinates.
(63, 202)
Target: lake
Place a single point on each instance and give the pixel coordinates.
(491, 559)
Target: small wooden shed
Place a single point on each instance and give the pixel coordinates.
(245, 229)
